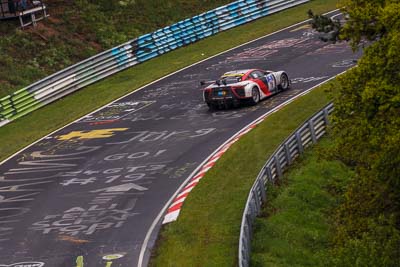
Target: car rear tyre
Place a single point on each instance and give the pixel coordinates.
(284, 83)
(255, 96)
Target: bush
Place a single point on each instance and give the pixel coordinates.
(378, 246)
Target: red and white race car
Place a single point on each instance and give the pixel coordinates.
(249, 86)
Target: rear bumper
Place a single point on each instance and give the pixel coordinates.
(223, 101)
(213, 98)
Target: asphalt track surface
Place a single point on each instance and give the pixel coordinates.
(95, 187)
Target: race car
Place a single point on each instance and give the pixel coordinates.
(251, 86)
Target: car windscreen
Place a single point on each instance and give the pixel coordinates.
(232, 78)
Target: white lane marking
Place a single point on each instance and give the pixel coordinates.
(166, 206)
(334, 16)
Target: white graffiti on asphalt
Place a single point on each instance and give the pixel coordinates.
(87, 221)
(346, 63)
(18, 188)
(308, 79)
(149, 136)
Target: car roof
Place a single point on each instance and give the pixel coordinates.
(236, 73)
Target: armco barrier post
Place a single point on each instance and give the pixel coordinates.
(312, 131)
(262, 190)
(278, 166)
(287, 154)
(269, 174)
(299, 143)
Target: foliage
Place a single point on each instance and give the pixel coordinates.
(367, 131)
(330, 27)
(369, 19)
(379, 246)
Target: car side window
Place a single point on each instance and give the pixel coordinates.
(256, 74)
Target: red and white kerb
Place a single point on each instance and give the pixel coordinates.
(175, 208)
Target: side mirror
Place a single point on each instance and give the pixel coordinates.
(202, 83)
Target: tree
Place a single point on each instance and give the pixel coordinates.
(367, 125)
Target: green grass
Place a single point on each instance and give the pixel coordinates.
(296, 223)
(25, 130)
(207, 231)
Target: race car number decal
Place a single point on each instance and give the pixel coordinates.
(271, 82)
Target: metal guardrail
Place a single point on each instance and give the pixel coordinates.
(134, 52)
(293, 146)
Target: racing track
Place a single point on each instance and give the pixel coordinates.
(94, 187)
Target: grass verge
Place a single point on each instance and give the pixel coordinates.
(24, 131)
(207, 231)
(295, 227)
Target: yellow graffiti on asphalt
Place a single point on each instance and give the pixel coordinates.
(93, 134)
(307, 26)
(79, 261)
(109, 258)
(112, 257)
